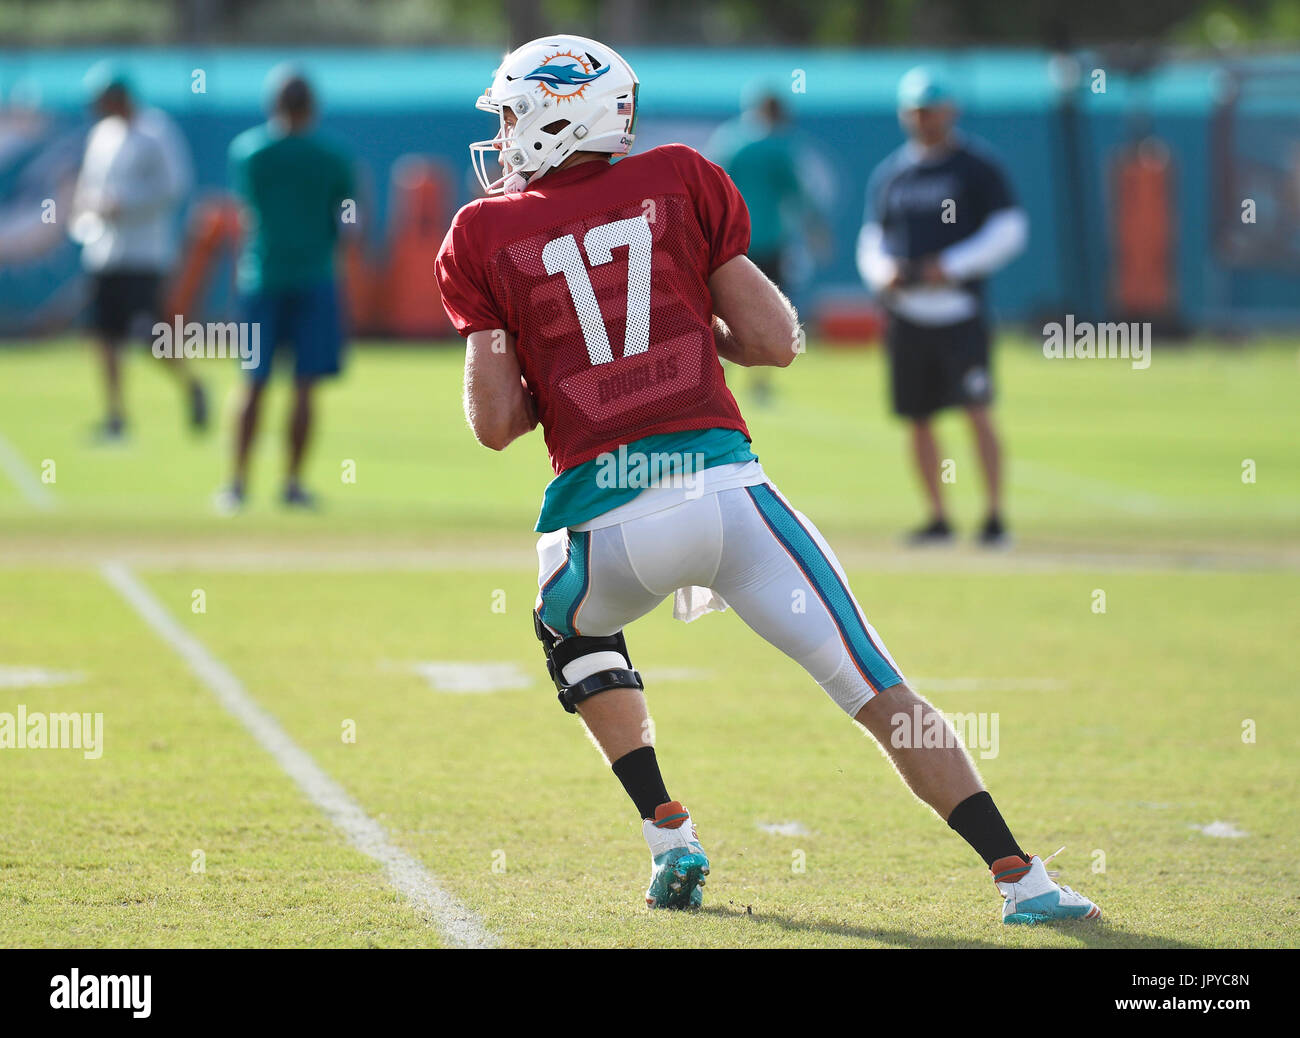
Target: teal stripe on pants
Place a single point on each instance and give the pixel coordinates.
(787, 529)
(564, 592)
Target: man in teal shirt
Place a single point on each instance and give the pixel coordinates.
(762, 157)
(294, 187)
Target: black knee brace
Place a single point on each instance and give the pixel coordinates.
(560, 652)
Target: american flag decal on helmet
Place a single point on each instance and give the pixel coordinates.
(624, 108)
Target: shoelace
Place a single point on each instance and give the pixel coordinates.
(1053, 873)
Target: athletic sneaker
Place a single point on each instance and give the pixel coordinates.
(678, 862)
(296, 497)
(938, 532)
(229, 500)
(993, 534)
(110, 431)
(1031, 895)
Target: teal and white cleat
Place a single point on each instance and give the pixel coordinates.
(678, 862)
(1030, 894)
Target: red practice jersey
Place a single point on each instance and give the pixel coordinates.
(601, 272)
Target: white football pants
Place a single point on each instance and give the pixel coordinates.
(747, 544)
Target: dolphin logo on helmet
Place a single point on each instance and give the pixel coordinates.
(564, 75)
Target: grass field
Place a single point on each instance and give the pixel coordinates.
(1120, 733)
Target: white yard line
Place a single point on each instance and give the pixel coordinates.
(460, 926)
(15, 466)
(161, 558)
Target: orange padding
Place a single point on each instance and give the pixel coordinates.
(1143, 280)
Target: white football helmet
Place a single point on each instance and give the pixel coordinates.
(567, 94)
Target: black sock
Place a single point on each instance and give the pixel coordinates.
(639, 773)
(978, 821)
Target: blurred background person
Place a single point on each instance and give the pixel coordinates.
(292, 184)
(940, 219)
(763, 157)
(134, 175)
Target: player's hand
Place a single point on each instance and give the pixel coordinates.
(109, 208)
(530, 403)
(932, 273)
(899, 279)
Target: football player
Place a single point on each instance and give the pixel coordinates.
(596, 297)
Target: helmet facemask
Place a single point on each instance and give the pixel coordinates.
(522, 150)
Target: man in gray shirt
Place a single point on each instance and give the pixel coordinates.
(134, 175)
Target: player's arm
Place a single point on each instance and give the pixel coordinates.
(754, 324)
(498, 405)
(240, 181)
(177, 163)
(878, 269)
(881, 272)
(85, 195)
(1001, 235)
(999, 240)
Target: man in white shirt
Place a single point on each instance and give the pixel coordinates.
(134, 175)
(941, 218)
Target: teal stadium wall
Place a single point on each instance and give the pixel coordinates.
(384, 104)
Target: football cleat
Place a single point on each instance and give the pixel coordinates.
(296, 497)
(229, 500)
(112, 431)
(678, 862)
(993, 534)
(1031, 895)
(936, 532)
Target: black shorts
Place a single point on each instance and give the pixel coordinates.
(932, 368)
(125, 303)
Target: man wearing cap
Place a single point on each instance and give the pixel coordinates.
(940, 219)
(134, 175)
(293, 185)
